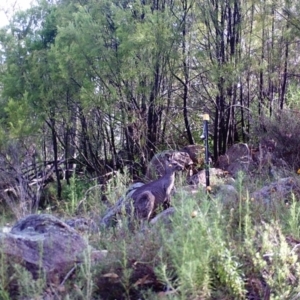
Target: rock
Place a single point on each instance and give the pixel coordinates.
(223, 162)
(228, 195)
(83, 225)
(189, 190)
(280, 190)
(269, 160)
(109, 218)
(199, 179)
(164, 216)
(6, 229)
(161, 219)
(267, 145)
(45, 243)
(196, 153)
(237, 158)
(156, 167)
(262, 160)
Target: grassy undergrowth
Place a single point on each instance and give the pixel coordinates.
(208, 251)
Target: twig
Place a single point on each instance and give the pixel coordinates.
(68, 275)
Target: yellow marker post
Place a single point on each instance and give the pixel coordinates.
(205, 137)
(205, 117)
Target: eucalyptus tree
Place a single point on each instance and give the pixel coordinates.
(123, 51)
(121, 79)
(30, 64)
(220, 56)
(271, 51)
(245, 56)
(86, 48)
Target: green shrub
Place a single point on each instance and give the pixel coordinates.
(209, 251)
(199, 252)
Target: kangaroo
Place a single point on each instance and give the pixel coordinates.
(148, 198)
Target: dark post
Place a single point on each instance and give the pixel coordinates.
(205, 137)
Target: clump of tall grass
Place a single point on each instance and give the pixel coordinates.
(200, 254)
(216, 253)
(211, 250)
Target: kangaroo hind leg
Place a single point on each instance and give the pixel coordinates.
(144, 206)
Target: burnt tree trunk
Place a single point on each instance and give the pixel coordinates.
(225, 20)
(153, 118)
(186, 72)
(285, 70)
(55, 154)
(261, 72)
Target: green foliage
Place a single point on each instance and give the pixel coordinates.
(274, 259)
(96, 77)
(117, 186)
(73, 193)
(28, 286)
(85, 279)
(208, 251)
(16, 121)
(293, 95)
(229, 272)
(282, 127)
(5, 277)
(293, 219)
(200, 253)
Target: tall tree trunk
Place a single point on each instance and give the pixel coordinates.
(261, 72)
(55, 154)
(272, 57)
(285, 68)
(152, 119)
(186, 72)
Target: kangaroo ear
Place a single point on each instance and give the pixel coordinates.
(179, 167)
(168, 156)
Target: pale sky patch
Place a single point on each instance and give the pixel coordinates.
(9, 7)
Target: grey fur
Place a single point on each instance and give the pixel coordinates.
(149, 197)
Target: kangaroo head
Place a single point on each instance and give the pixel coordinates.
(172, 163)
